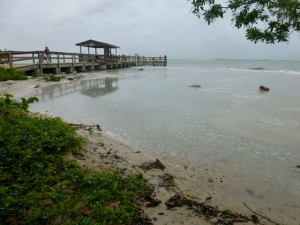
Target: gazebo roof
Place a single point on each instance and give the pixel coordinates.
(96, 44)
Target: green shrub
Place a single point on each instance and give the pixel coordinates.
(37, 184)
(52, 77)
(7, 104)
(11, 74)
(36, 73)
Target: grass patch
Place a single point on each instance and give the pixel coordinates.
(37, 184)
(11, 74)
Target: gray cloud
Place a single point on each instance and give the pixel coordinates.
(148, 28)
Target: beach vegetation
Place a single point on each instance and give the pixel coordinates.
(298, 166)
(266, 21)
(52, 77)
(36, 73)
(11, 74)
(39, 184)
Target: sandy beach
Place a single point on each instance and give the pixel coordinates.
(198, 183)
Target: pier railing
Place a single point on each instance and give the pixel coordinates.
(154, 61)
(29, 60)
(14, 58)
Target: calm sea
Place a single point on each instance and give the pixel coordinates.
(227, 122)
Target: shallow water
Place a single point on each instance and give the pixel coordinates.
(227, 122)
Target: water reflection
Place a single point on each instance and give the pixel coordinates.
(93, 88)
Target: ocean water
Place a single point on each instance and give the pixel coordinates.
(227, 122)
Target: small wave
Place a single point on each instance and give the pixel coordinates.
(218, 90)
(258, 68)
(247, 95)
(289, 72)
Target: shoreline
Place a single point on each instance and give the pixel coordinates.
(104, 152)
(199, 182)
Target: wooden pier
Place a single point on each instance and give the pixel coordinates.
(63, 62)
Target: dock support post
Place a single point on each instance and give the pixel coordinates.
(40, 61)
(165, 60)
(83, 62)
(33, 59)
(73, 68)
(58, 63)
(10, 60)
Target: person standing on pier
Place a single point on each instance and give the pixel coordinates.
(47, 53)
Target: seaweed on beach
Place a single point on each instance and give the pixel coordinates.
(210, 213)
(143, 219)
(167, 181)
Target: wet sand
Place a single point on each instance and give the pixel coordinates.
(197, 181)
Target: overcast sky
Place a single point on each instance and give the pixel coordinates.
(145, 27)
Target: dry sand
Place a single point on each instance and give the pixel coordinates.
(196, 182)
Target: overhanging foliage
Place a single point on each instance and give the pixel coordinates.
(267, 21)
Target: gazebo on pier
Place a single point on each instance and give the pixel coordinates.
(97, 44)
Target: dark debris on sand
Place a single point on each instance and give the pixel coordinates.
(210, 213)
(153, 165)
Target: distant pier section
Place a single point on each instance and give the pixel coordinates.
(64, 62)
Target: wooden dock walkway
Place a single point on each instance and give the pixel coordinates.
(63, 62)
